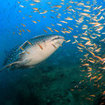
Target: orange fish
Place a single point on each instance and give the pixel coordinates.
(93, 95)
(81, 45)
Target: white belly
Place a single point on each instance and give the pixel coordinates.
(37, 55)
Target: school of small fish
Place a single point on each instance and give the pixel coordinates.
(87, 21)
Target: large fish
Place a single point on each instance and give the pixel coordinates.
(35, 51)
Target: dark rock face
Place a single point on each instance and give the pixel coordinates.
(100, 100)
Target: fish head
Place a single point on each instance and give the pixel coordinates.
(56, 40)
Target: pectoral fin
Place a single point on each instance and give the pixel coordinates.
(9, 66)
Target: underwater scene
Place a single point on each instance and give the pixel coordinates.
(52, 52)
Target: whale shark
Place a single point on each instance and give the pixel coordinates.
(34, 51)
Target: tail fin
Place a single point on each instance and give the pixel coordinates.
(8, 66)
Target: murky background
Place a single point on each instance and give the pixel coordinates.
(74, 74)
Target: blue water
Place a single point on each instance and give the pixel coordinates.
(50, 82)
